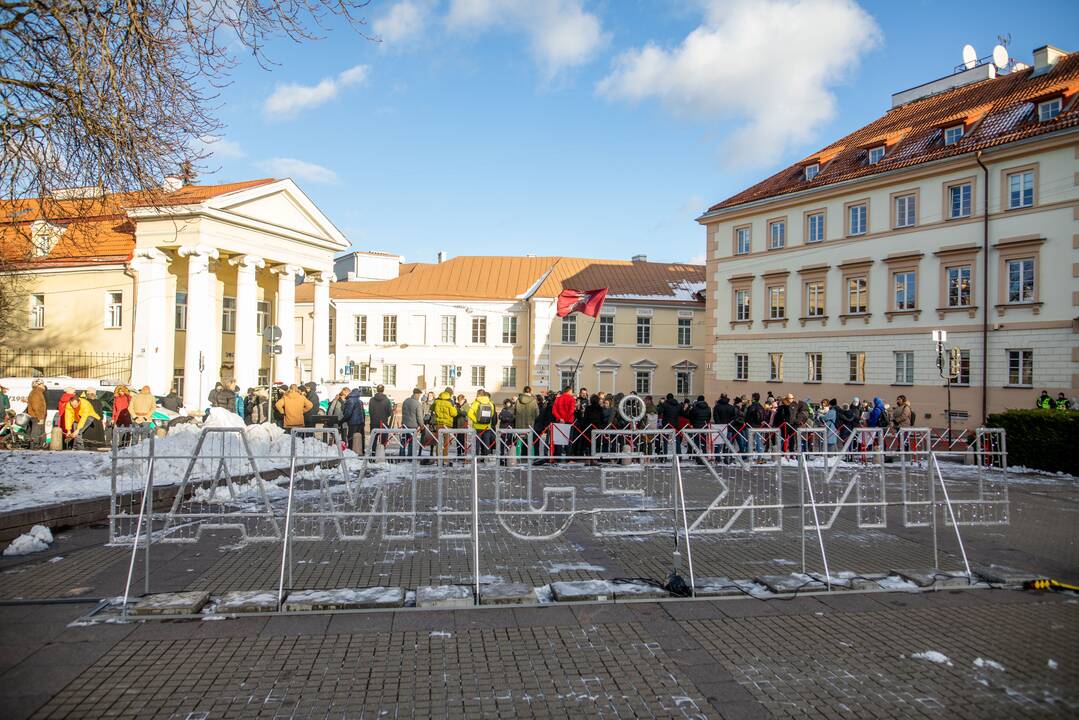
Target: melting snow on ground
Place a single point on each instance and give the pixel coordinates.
(988, 664)
(933, 656)
(36, 540)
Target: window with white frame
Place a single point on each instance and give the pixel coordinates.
(359, 329)
(953, 134)
(814, 367)
(449, 329)
(262, 316)
(263, 376)
(37, 312)
(479, 375)
(1049, 109)
(857, 218)
(509, 329)
(1020, 189)
(959, 201)
(812, 171)
(363, 371)
(685, 332)
(904, 367)
(643, 382)
(741, 366)
(856, 365)
(389, 375)
(447, 375)
(683, 382)
(814, 298)
(777, 303)
(777, 234)
(815, 227)
(228, 314)
(114, 308)
(389, 328)
(1021, 368)
(569, 330)
(181, 310)
(741, 241)
(905, 210)
(857, 295)
(644, 331)
(606, 330)
(964, 369)
(567, 378)
(479, 331)
(1021, 280)
(178, 381)
(876, 154)
(741, 305)
(775, 366)
(959, 286)
(906, 290)
(509, 377)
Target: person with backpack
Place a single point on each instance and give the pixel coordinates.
(443, 412)
(481, 413)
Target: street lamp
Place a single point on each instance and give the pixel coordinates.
(948, 372)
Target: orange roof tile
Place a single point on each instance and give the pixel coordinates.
(996, 112)
(507, 278)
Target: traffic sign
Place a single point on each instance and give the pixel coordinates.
(271, 333)
(272, 349)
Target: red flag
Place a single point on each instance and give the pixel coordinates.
(588, 302)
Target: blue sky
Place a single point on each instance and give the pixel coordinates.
(576, 127)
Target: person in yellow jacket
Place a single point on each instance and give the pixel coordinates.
(80, 418)
(443, 411)
(292, 407)
(482, 414)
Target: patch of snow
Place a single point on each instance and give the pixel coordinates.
(556, 568)
(24, 545)
(894, 582)
(1052, 664)
(440, 634)
(56, 559)
(544, 595)
(991, 664)
(42, 533)
(933, 656)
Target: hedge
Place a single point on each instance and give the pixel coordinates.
(1042, 439)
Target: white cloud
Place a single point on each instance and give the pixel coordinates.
(561, 33)
(403, 22)
(768, 64)
(288, 100)
(220, 147)
(299, 170)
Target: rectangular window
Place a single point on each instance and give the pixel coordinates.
(906, 285)
(449, 330)
(964, 369)
(876, 154)
(567, 378)
(741, 241)
(857, 295)
(814, 367)
(959, 286)
(389, 375)
(332, 322)
(953, 134)
(904, 367)
(683, 382)
(815, 229)
(1049, 109)
(741, 305)
(1021, 367)
(389, 328)
(777, 233)
(777, 303)
(606, 330)
(643, 382)
(114, 309)
(1021, 189)
(37, 312)
(263, 376)
(262, 316)
(775, 366)
(509, 377)
(815, 299)
(905, 211)
(1021, 280)
(509, 329)
(228, 315)
(479, 331)
(812, 171)
(741, 366)
(959, 201)
(685, 332)
(360, 329)
(857, 219)
(479, 375)
(363, 372)
(569, 330)
(644, 331)
(178, 381)
(447, 375)
(181, 311)
(856, 363)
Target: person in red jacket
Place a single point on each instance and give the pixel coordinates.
(564, 410)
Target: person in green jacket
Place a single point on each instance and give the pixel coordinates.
(443, 411)
(481, 413)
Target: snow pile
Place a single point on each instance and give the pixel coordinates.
(36, 540)
(990, 664)
(933, 656)
(1052, 664)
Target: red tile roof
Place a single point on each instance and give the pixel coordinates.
(995, 112)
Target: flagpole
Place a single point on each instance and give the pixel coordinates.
(595, 320)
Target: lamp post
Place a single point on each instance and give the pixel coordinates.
(947, 372)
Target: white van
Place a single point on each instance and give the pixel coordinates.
(18, 389)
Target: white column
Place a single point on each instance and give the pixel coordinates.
(152, 360)
(285, 318)
(246, 354)
(202, 352)
(320, 337)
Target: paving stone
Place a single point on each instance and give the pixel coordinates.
(247, 601)
(507, 594)
(867, 581)
(582, 590)
(795, 582)
(934, 578)
(715, 587)
(178, 603)
(637, 591)
(347, 599)
(1005, 577)
(430, 596)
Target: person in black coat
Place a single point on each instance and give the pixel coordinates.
(724, 413)
(354, 416)
(699, 413)
(312, 397)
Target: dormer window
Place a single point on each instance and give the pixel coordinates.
(876, 154)
(1049, 109)
(953, 134)
(811, 171)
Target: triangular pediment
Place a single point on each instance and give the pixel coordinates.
(280, 204)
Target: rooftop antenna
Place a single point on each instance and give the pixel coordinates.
(1000, 57)
(970, 57)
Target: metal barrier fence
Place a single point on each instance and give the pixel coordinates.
(498, 498)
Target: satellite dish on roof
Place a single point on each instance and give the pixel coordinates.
(1000, 57)
(970, 57)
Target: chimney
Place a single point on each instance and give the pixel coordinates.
(1045, 58)
(639, 258)
(441, 256)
